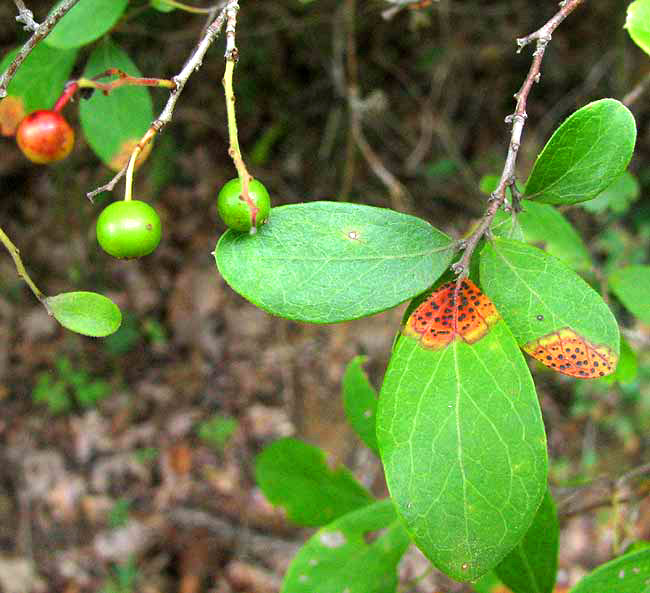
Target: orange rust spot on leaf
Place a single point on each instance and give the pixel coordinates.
(445, 315)
(12, 111)
(569, 353)
(119, 161)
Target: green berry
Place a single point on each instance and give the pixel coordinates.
(128, 229)
(236, 212)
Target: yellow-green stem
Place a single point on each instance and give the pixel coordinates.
(128, 188)
(20, 268)
(234, 151)
(186, 8)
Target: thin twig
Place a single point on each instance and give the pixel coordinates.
(192, 64)
(20, 268)
(637, 91)
(42, 31)
(541, 37)
(614, 492)
(396, 190)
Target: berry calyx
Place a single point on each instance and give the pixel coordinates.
(241, 214)
(45, 137)
(128, 229)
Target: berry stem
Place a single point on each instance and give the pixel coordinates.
(67, 94)
(232, 55)
(187, 7)
(123, 79)
(128, 187)
(234, 150)
(20, 268)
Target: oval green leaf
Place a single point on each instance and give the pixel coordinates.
(114, 123)
(627, 574)
(538, 296)
(464, 450)
(86, 21)
(86, 313)
(532, 566)
(37, 83)
(324, 262)
(358, 553)
(637, 23)
(632, 287)
(545, 227)
(295, 475)
(360, 402)
(586, 154)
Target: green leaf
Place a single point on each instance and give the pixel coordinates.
(37, 83)
(358, 553)
(464, 450)
(617, 197)
(162, 6)
(324, 262)
(628, 365)
(637, 23)
(585, 154)
(632, 287)
(488, 583)
(628, 574)
(113, 124)
(360, 402)
(86, 21)
(86, 313)
(295, 475)
(263, 148)
(538, 295)
(545, 227)
(217, 430)
(532, 566)
(637, 546)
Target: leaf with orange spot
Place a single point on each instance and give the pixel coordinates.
(554, 314)
(114, 122)
(450, 313)
(124, 154)
(460, 434)
(12, 111)
(570, 354)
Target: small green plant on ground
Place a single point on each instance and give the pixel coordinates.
(66, 387)
(123, 580)
(216, 431)
(118, 516)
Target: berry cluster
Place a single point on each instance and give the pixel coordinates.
(130, 228)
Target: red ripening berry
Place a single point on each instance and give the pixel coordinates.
(45, 137)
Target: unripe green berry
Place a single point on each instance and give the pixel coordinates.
(128, 229)
(236, 212)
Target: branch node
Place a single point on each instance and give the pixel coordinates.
(26, 17)
(457, 268)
